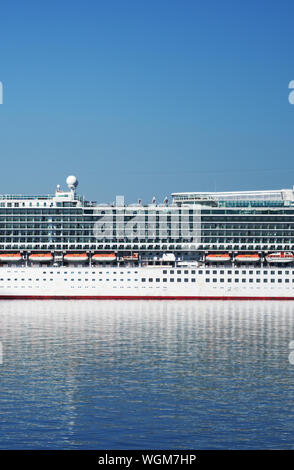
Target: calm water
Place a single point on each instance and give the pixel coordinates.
(139, 374)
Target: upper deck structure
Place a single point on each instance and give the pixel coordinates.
(193, 223)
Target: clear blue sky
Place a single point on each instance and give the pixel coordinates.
(144, 98)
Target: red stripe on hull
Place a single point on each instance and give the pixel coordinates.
(126, 297)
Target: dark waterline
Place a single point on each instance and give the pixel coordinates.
(127, 375)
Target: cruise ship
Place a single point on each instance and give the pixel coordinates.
(195, 245)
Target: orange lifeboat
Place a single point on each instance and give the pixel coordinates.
(247, 258)
(40, 257)
(10, 257)
(133, 257)
(217, 257)
(280, 257)
(76, 257)
(103, 257)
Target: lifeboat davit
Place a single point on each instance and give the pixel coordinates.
(217, 257)
(10, 257)
(247, 258)
(76, 257)
(40, 257)
(280, 257)
(103, 257)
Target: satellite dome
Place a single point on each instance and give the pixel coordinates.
(72, 182)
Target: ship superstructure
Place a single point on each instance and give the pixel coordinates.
(201, 245)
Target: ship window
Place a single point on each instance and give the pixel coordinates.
(178, 272)
(186, 280)
(172, 271)
(279, 272)
(186, 272)
(214, 272)
(257, 280)
(250, 280)
(243, 272)
(207, 280)
(193, 280)
(250, 272)
(150, 279)
(236, 280)
(157, 279)
(257, 272)
(179, 280)
(222, 272)
(200, 272)
(143, 279)
(286, 280)
(193, 272)
(164, 279)
(286, 272)
(272, 272)
(272, 280)
(206, 272)
(214, 280)
(280, 280)
(229, 272)
(243, 280)
(265, 272)
(265, 280)
(164, 272)
(229, 280)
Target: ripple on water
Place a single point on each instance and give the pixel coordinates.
(160, 374)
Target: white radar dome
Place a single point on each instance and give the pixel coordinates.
(72, 182)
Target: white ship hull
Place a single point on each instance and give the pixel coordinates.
(152, 282)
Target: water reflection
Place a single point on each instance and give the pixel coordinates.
(139, 374)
